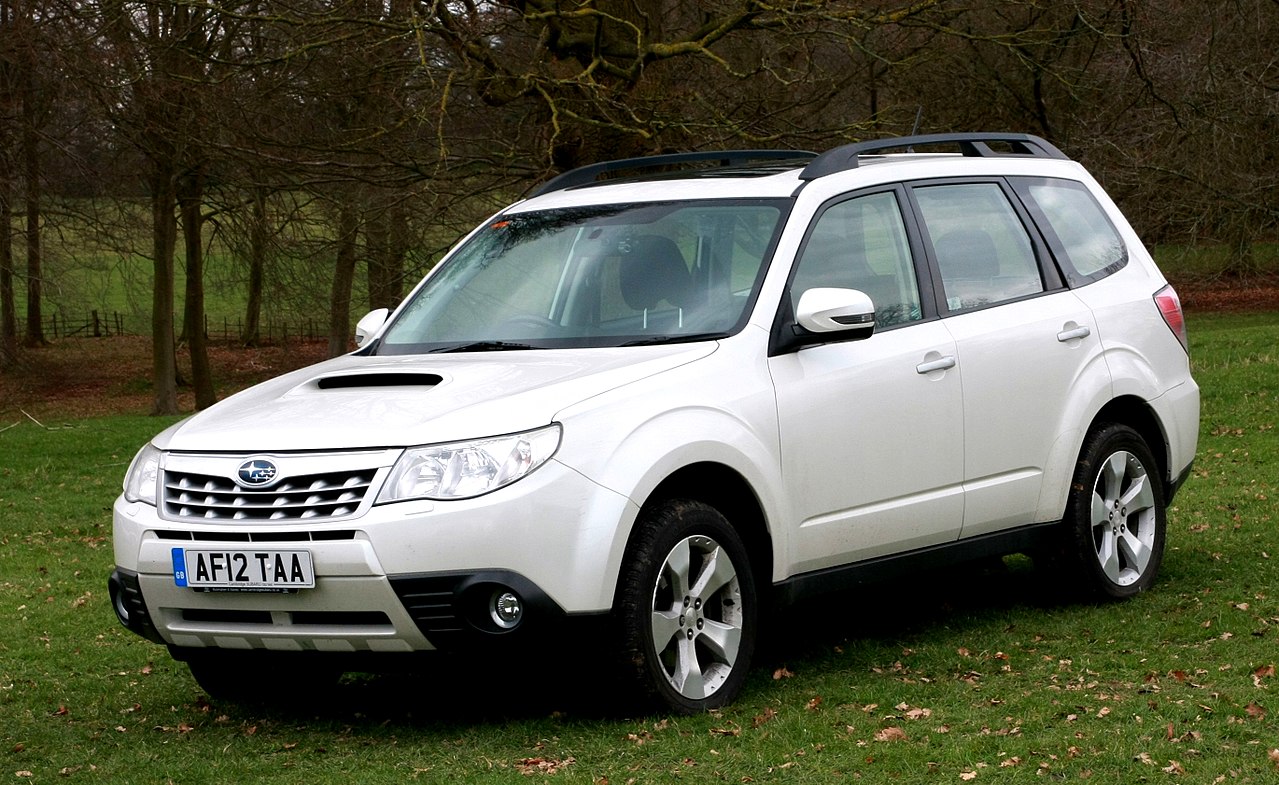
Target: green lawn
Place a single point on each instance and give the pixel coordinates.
(942, 677)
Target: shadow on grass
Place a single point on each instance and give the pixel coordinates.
(574, 678)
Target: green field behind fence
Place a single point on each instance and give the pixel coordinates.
(963, 675)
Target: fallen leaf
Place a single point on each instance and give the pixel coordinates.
(814, 703)
(1255, 711)
(24, 773)
(1274, 757)
(759, 720)
(1173, 767)
(543, 765)
(781, 673)
(890, 734)
(968, 776)
(1144, 757)
(1008, 763)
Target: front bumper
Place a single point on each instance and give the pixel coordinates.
(406, 577)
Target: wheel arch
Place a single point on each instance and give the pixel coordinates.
(1138, 415)
(726, 490)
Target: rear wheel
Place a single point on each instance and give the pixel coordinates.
(1116, 514)
(687, 607)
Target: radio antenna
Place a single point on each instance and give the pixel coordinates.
(914, 129)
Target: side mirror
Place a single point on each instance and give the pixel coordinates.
(371, 323)
(836, 314)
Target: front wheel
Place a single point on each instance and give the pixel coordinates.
(687, 608)
(1116, 513)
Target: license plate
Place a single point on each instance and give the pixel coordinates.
(198, 568)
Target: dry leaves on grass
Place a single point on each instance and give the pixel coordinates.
(913, 712)
(530, 766)
(892, 733)
(1264, 672)
(759, 720)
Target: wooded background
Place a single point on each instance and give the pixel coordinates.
(366, 137)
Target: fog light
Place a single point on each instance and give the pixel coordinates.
(506, 609)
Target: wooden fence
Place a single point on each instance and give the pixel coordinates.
(97, 324)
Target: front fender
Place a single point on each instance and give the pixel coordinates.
(718, 410)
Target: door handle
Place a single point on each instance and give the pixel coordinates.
(1074, 333)
(940, 364)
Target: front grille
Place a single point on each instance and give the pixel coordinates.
(221, 536)
(204, 497)
(324, 618)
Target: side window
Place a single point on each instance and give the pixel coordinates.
(861, 244)
(983, 252)
(1085, 236)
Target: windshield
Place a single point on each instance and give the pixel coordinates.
(609, 275)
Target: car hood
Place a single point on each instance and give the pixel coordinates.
(355, 402)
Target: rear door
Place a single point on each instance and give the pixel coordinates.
(1028, 351)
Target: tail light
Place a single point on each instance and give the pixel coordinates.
(1170, 306)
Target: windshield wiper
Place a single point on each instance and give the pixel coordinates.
(688, 338)
(483, 346)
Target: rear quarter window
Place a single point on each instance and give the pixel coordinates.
(1083, 239)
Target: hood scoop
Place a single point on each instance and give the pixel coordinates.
(363, 381)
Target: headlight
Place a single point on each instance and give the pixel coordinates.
(143, 479)
(462, 470)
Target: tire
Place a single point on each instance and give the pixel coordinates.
(687, 608)
(1116, 520)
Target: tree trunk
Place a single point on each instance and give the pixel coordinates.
(8, 314)
(251, 335)
(343, 278)
(31, 162)
(191, 201)
(164, 365)
(377, 240)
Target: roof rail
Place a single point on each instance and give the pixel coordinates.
(586, 175)
(970, 144)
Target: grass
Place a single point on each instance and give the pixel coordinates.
(944, 677)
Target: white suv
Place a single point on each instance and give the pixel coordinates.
(659, 404)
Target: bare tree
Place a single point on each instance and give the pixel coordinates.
(31, 97)
(8, 120)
